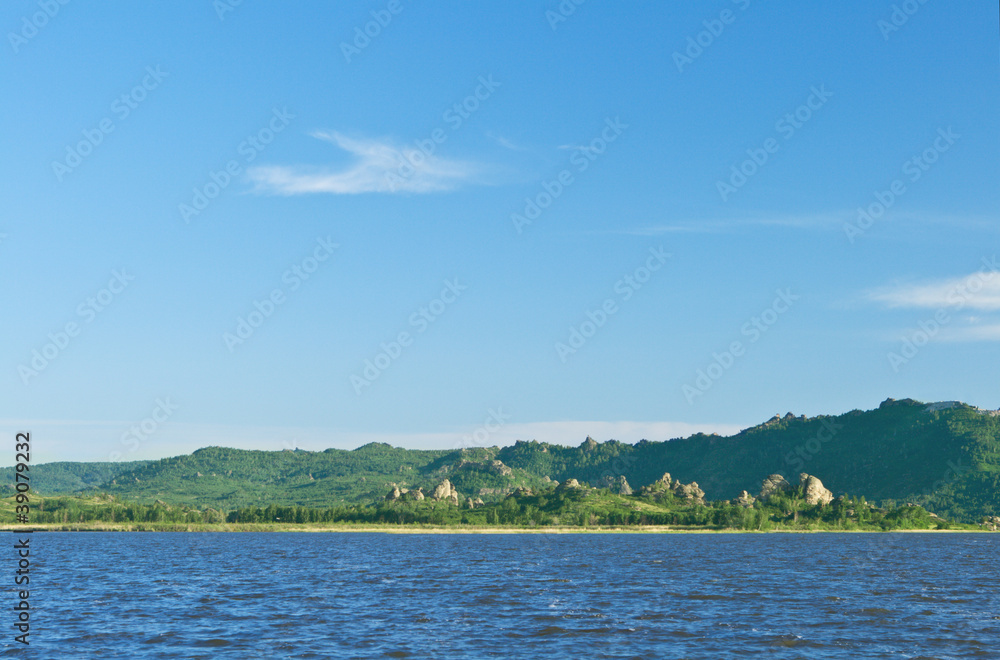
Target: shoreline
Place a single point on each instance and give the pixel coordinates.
(230, 528)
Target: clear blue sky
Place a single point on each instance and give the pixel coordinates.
(119, 117)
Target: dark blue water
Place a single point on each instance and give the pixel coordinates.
(511, 596)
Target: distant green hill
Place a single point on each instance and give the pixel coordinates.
(945, 457)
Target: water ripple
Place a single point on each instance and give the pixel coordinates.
(514, 596)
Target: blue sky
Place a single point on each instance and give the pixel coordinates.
(531, 222)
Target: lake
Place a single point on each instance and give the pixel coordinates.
(371, 595)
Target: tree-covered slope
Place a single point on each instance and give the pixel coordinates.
(68, 477)
(948, 459)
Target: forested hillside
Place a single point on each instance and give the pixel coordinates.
(945, 457)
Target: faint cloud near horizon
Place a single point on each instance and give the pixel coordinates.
(504, 142)
(379, 167)
(980, 290)
(944, 298)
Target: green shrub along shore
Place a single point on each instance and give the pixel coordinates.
(559, 508)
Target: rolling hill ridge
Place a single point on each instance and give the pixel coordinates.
(943, 456)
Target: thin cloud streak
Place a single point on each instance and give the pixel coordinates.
(979, 290)
(379, 167)
(973, 333)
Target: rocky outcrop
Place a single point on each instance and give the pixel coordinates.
(813, 490)
(494, 491)
(498, 467)
(618, 485)
(744, 499)
(774, 483)
(621, 486)
(397, 494)
(473, 503)
(666, 484)
(690, 492)
(661, 485)
(445, 491)
(569, 483)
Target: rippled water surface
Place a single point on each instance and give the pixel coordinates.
(338, 595)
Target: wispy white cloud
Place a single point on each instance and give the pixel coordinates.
(504, 142)
(980, 290)
(379, 167)
(971, 333)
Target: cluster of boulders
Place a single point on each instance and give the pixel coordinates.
(618, 485)
(495, 466)
(666, 484)
(744, 499)
(397, 494)
(991, 523)
(443, 492)
(813, 490)
(787, 418)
